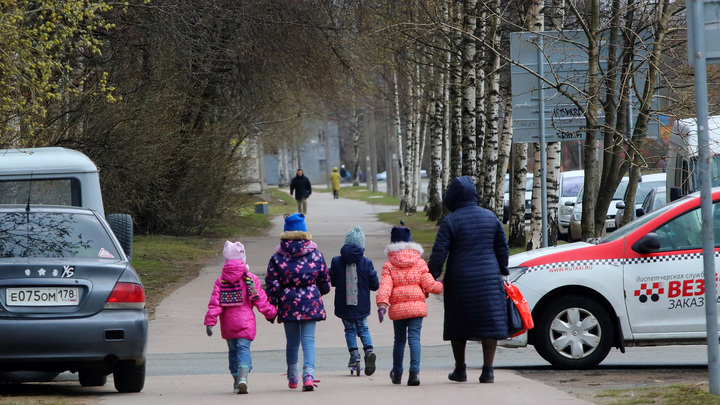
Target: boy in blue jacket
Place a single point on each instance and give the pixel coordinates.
(353, 276)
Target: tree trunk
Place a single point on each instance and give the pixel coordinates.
(517, 189)
(456, 100)
(503, 158)
(434, 203)
(469, 144)
(355, 125)
(399, 137)
(492, 132)
(592, 225)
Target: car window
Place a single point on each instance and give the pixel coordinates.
(47, 192)
(620, 191)
(682, 232)
(644, 188)
(54, 235)
(529, 184)
(659, 200)
(571, 186)
(630, 227)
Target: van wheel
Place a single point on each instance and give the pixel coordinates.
(574, 333)
(129, 377)
(122, 227)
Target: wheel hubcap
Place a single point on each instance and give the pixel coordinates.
(575, 333)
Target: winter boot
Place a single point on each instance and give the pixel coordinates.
(459, 374)
(487, 375)
(395, 377)
(235, 383)
(370, 362)
(414, 379)
(242, 379)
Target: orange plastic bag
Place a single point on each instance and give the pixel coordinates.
(516, 302)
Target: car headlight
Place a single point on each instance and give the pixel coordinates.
(577, 215)
(516, 272)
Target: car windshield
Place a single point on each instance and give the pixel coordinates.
(529, 184)
(620, 191)
(643, 189)
(54, 235)
(571, 186)
(632, 226)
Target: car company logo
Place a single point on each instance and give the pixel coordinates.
(67, 272)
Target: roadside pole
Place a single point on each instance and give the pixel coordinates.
(698, 57)
(543, 146)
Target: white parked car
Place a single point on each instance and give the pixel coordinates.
(641, 285)
(575, 227)
(568, 188)
(645, 184)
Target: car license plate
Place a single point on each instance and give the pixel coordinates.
(50, 296)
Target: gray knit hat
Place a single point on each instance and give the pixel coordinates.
(355, 236)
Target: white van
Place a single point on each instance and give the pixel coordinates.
(682, 157)
(58, 176)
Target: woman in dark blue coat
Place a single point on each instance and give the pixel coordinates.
(473, 241)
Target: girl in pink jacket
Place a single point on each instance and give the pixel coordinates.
(405, 283)
(235, 294)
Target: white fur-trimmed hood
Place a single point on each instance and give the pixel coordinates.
(398, 246)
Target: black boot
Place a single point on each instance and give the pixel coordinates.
(487, 375)
(459, 374)
(370, 362)
(413, 380)
(396, 378)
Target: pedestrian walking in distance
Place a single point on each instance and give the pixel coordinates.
(472, 240)
(234, 295)
(354, 276)
(404, 284)
(335, 182)
(300, 186)
(296, 279)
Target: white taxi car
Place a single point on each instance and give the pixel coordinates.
(641, 285)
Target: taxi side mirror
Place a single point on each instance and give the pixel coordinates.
(620, 205)
(649, 243)
(569, 203)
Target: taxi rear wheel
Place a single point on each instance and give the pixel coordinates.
(574, 332)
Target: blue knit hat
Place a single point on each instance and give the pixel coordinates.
(400, 234)
(355, 236)
(295, 222)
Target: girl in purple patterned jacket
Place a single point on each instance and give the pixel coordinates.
(296, 279)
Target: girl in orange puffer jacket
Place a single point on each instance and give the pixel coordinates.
(404, 286)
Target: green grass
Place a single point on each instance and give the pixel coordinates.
(671, 395)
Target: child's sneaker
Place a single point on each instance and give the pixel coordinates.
(292, 383)
(308, 383)
(370, 363)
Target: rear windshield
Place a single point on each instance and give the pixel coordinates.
(44, 192)
(54, 235)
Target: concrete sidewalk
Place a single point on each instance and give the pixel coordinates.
(178, 329)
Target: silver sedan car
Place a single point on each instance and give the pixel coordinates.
(69, 299)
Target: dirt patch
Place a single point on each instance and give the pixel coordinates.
(592, 385)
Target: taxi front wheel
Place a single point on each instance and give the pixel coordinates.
(574, 332)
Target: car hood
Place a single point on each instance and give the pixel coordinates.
(523, 258)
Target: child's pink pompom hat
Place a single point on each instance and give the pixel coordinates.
(234, 251)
